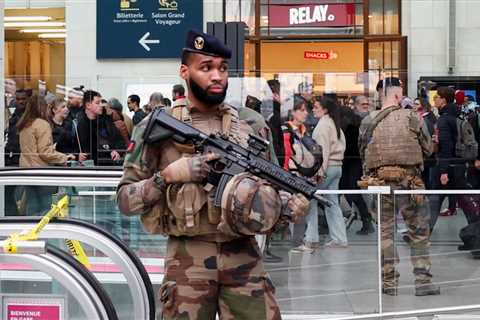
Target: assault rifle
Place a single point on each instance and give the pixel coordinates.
(234, 159)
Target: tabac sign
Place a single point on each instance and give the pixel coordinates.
(145, 28)
(311, 15)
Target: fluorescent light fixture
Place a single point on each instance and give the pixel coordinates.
(27, 18)
(33, 24)
(43, 30)
(52, 35)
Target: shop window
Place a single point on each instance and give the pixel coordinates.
(383, 17)
(35, 48)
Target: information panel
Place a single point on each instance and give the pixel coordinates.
(145, 28)
(32, 307)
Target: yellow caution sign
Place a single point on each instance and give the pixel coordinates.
(59, 209)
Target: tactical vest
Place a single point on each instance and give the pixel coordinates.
(394, 143)
(189, 207)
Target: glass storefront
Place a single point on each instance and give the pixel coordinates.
(320, 36)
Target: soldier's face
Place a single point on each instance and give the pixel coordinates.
(207, 78)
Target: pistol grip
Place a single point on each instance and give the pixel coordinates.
(220, 188)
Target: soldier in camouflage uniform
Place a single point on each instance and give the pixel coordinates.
(213, 264)
(392, 143)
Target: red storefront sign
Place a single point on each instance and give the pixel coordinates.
(311, 15)
(320, 55)
(33, 312)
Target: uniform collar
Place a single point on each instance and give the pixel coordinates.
(219, 110)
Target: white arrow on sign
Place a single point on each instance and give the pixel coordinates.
(144, 42)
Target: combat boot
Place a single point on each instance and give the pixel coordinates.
(391, 291)
(427, 289)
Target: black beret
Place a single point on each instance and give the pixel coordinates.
(389, 82)
(199, 42)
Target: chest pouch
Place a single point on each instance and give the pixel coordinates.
(186, 201)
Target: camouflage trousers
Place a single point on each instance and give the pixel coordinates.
(414, 212)
(205, 278)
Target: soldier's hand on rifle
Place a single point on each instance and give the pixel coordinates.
(188, 169)
(297, 204)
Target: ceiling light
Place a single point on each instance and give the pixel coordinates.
(52, 35)
(43, 30)
(27, 18)
(33, 24)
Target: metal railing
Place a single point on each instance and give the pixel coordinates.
(69, 177)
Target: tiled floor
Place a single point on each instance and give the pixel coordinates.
(345, 281)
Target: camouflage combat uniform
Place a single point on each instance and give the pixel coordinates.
(393, 156)
(207, 271)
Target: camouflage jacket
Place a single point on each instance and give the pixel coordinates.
(416, 127)
(137, 193)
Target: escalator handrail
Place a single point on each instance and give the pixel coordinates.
(131, 255)
(87, 275)
(70, 279)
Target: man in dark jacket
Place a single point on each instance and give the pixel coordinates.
(474, 171)
(275, 120)
(448, 173)
(133, 103)
(99, 140)
(352, 163)
(12, 149)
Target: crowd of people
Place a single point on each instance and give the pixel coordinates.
(88, 130)
(452, 123)
(83, 130)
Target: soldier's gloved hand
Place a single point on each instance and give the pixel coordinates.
(297, 205)
(188, 169)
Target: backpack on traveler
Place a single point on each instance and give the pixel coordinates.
(304, 152)
(466, 146)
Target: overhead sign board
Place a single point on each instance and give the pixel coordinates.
(311, 15)
(145, 28)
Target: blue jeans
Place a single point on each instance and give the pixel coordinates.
(334, 215)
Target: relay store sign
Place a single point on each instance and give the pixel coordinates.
(310, 15)
(145, 29)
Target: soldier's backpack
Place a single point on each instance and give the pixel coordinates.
(466, 146)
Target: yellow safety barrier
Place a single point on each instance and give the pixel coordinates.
(58, 210)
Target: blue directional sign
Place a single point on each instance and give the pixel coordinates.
(145, 28)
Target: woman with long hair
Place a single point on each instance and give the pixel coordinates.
(63, 137)
(37, 150)
(302, 157)
(330, 137)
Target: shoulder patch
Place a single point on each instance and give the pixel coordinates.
(135, 147)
